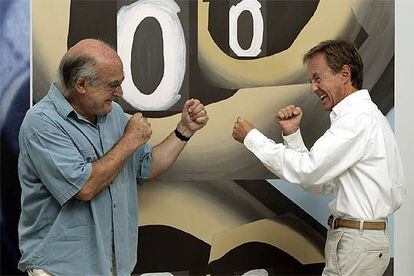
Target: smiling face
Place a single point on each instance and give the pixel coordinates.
(330, 87)
(98, 97)
(101, 74)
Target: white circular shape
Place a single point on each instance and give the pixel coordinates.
(128, 19)
(253, 7)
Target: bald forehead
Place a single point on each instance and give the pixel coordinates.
(96, 49)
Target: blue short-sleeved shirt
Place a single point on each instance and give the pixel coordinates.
(57, 232)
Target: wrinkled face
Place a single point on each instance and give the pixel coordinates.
(99, 96)
(325, 83)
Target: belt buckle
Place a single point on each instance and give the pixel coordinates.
(335, 223)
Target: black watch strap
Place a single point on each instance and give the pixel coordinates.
(180, 136)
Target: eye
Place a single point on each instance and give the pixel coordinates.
(113, 87)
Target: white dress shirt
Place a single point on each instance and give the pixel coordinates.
(357, 159)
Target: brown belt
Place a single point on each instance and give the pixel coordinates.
(354, 224)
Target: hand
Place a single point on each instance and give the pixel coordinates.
(241, 128)
(137, 131)
(193, 117)
(289, 118)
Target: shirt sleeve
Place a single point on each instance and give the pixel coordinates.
(143, 157)
(59, 165)
(295, 142)
(337, 150)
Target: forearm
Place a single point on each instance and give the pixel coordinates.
(105, 169)
(165, 154)
(193, 118)
(294, 141)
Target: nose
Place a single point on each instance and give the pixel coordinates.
(118, 92)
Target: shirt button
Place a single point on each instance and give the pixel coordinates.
(380, 255)
(114, 206)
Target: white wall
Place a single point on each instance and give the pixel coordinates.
(404, 127)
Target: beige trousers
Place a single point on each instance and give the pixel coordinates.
(37, 272)
(354, 252)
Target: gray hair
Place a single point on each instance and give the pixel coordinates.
(72, 67)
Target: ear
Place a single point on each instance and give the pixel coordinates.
(346, 73)
(80, 85)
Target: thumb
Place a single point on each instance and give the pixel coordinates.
(297, 111)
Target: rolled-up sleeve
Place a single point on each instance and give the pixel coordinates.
(60, 166)
(143, 159)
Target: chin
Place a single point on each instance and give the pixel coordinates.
(107, 108)
(327, 107)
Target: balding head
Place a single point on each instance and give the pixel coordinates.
(96, 49)
(85, 60)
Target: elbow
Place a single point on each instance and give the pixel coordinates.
(85, 194)
(305, 178)
(157, 170)
(154, 175)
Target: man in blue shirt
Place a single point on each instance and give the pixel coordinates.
(79, 164)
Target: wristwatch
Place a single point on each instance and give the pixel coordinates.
(180, 136)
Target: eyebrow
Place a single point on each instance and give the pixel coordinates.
(315, 75)
(117, 81)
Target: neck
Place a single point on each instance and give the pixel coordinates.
(348, 91)
(75, 102)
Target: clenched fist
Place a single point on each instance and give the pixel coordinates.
(241, 128)
(193, 117)
(137, 131)
(289, 118)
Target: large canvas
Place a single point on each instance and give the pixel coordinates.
(214, 212)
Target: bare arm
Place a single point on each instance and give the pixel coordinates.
(193, 118)
(105, 169)
(164, 155)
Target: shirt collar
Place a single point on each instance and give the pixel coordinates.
(63, 107)
(349, 101)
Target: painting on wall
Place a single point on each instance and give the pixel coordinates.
(214, 212)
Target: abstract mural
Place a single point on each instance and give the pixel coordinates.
(214, 212)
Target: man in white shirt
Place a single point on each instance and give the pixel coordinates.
(357, 159)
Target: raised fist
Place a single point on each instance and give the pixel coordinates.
(289, 119)
(137, 131)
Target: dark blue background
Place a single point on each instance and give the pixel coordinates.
(14, 102)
